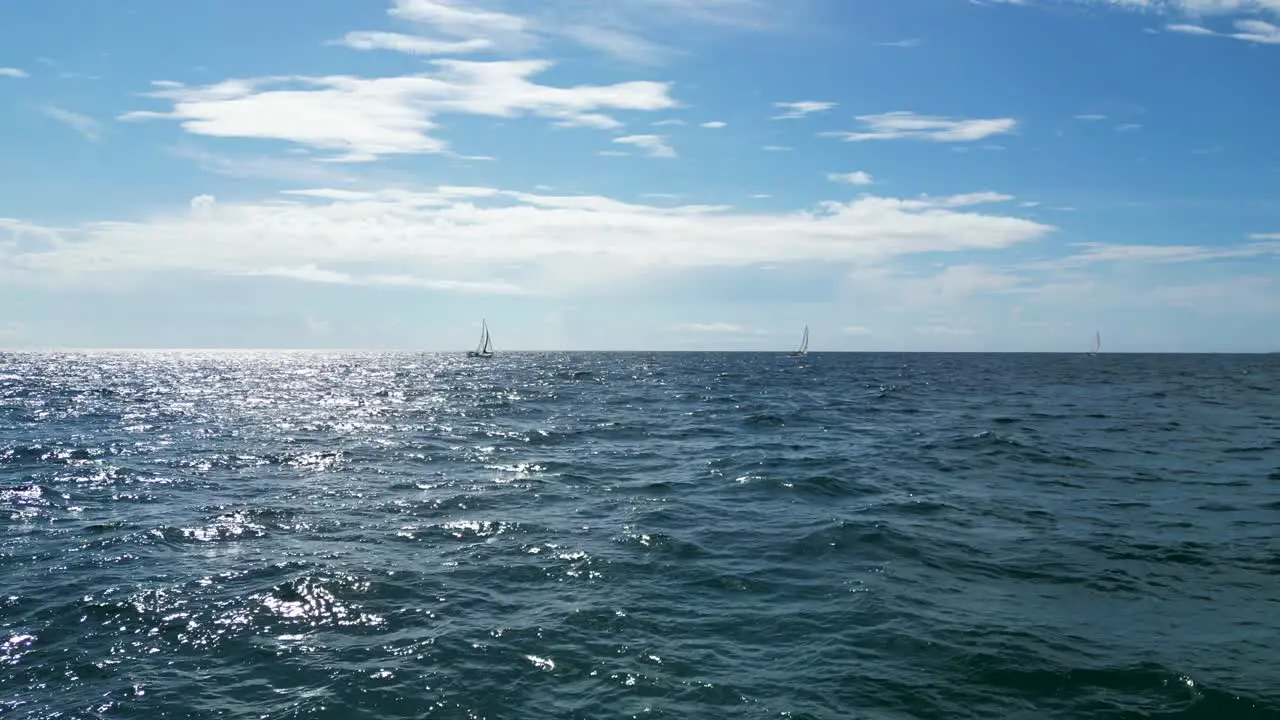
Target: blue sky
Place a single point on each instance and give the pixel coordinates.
(641, 174)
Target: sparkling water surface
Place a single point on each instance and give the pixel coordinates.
(683, 535)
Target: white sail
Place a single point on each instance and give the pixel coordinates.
(804, 343)
(485, 347)
(1097, 342)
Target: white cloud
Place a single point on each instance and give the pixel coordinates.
(477, 235)
(1254, 31)
(1264, 236)
(714, 124)
(1242, 294)
(761, 196)
(1257, 31)
(311, 273)
(896, 290)
(776, 148)
(1193, 8)
(1105, 252)
(12, 72)
(623, 45)
(411, 44)
(1189, 29)
(88, 128)
(1091, 117)
(366, 118)
(714, 327)
(460, 19)
(1128, 127)
(858, 177)
(1198, 7)
(606, 27)
(271, 168)
(951, 330)
(907, 43)
(653, 145)
(801, 109)
(664, 123)
(966, 199)
(904, 124)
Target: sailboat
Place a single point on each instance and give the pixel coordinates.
(1097, 343)
(485, 348)
(804, 344)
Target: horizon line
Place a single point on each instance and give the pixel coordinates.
(54, 349)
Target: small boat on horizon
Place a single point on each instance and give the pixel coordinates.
(485, 348)
(804, 345)
(1097, 343)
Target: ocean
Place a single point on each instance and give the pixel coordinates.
(639, 535)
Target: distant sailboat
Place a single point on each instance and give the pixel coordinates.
(1097, 343)
(485, 348)
(804, 344)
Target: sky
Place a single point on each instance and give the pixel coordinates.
(950, 175)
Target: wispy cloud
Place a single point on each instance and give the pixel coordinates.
(803, 108)
(1091, 117)
(1265, 236)
(652, 145)
(1190, 8)
(940, 329)
(12, 72)
(907, 43)
(668, 122)
(273, 168)
(1189, 29)
(714, 124)
(907, 125)
(88, 128)
(411, 44)
(775, 148)
(1128, 127)
(311, 273)
(857, 177)
(363, 119)
(713, 327)
(610, 28)
(626, 46)
(463, 20)
(1253, 31)
(1257, 31)
(1112, 253)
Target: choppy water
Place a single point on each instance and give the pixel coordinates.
(639, 535)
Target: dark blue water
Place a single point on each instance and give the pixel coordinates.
(639, 535)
